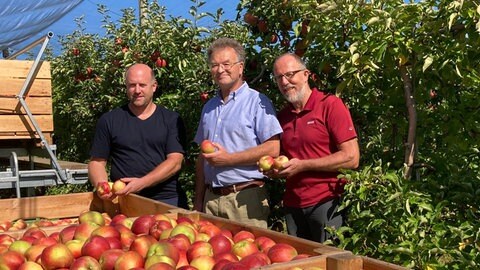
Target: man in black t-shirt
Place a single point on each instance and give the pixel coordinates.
(143, 142)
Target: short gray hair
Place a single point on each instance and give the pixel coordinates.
(223, 43)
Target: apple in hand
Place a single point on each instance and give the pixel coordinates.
(118, 185)
(207, 147)
(265, 163)
(104, 188)
(279, 161)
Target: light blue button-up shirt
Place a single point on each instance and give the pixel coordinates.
(245, 120)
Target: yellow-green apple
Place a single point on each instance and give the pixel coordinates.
(257, 259)
(20, 246)
(264, 243)
(202, 237)
(84, 230)
(207, 147)
(158, 226)
(34, 252)
(104, 188)
(199, 248)
(109, 257)
(29, 265)
(142, 243)
(154, 259)
(142, 224)
(165, 248)
(160, 266)
(118, 185)
(203, 262)
(265, 163)
(11, 260)
(160, 216)
(282, 252)
(166, 234)
(184, 228)
(75, 246)
(91, 216)
(56, 256)
(128, 260)
(244, 248)
(35, 232)
(95, 246)
(242, 235)
(86, 263)
(179, 241)
(279, 161)
(107, 231)
(220, 244)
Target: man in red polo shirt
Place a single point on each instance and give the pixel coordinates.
(319, 139)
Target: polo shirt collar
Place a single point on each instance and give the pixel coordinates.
(312, 100)
(233, 95)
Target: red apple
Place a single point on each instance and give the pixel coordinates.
(227, 233)
(180, 241)
(75, 51)
(142, 244)
(185, 220)
(220, 244)
(56, 256)
(199, 248)
(6, 239)
(264, 243)
(103, 188)
(34, 232)
(11, 260)
(84, 230)
(301, 256)
(158, 226)
(204, 97)
(109, 257)
(182, 259)
(19, 224)
(114, 242)
(229, 256)
(48, 241)
(242, 235)
(244, 248)
(129, 260)
(282, 252)
(117, 218)
(95, 246)
(265, 163)
(107, 231)
(30, 266)
(127, 238)
(235, 266)
(118, 185)
(91, 216)
(160, 266)
(209, 229)
(203, 262)
(256, 259)
(250, 19)
(142, 224)
(207, 147)
(187, 267)
(279, 161)
(86, 263)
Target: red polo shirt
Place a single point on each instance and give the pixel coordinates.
(314, 132)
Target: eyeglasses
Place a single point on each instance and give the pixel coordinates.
(225, 66)
(288, 75)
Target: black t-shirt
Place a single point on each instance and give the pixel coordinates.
(135, 147)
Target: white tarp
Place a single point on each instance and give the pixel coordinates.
(22, 19)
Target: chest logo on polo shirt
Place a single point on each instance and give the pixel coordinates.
(311, 122)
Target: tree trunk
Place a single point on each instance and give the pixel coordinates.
(410, 145)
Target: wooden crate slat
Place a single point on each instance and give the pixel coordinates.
(21, 68)
(135, 205)
(374, 264)
(12, 87)
(37, 105)
(21, 123)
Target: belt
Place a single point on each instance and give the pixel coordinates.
(236, 188)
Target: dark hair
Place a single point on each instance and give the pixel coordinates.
(223, 43)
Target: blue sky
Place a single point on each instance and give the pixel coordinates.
(92, 18)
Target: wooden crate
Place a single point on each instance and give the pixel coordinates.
(15, 122)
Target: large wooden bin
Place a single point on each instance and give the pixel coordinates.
(15, 123)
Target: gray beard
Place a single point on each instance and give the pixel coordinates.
(296, 97)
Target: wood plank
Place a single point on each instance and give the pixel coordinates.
(26, 137)
(135, 205)
(12, 87)
(344, 262)
(374, 264)
(21, 123)
(37, 105)
(21, 68)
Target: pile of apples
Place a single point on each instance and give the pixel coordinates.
(149, 242)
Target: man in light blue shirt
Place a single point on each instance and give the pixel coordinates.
(242, 124)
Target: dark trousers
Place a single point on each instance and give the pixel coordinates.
(310, 222)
